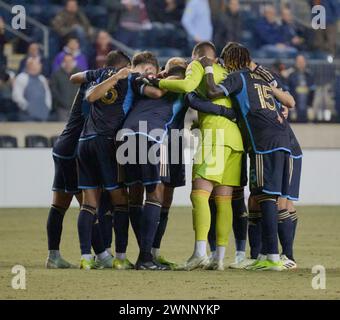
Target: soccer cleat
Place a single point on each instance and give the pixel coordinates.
(106, 263)
(242, 264)
(266, 265)
(163, 261)
(88, 264)
(119, 264)
(57, 263)
(195, 262)
(151, 266)
(214, 264)
(288, 263)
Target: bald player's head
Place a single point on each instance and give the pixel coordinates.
(204, 48)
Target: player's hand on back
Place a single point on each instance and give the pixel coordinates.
(285, 111)
(150, 80)
(206, 62)
(266, 75)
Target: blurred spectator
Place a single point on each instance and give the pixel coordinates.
(289, 30)
(2, 42)
(134, 18)
(325, 39)
(196, 21)
(72, 47)
(165, 11)
(228, 23)
(103, 46)
(64, 91)
(302, 87)
(31, 92)
(8, 109)
(114, 9)
(33, 51)
(72, 21)
(269, 34)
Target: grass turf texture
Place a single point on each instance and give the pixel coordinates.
(23, 241)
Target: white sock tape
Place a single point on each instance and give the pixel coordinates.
(208, 70)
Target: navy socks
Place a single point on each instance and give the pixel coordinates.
(121, 228)
(86, 220)
(161, 228)
(212, 230)
(149, 224)
(255, 233)
(55, 226)
(240, 223)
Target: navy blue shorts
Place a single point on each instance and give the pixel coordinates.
(98, 167)
(295, 177)
(65, 175)
(273, 173)
(149, 163)
(176, 164)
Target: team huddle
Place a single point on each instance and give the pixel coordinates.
(121, 155)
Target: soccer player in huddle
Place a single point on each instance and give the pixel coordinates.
(270, 147)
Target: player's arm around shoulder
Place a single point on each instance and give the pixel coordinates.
(284, 97)
(213, 90)
(193, 78)
(97, 92)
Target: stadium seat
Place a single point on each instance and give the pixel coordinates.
(53, 140)
(8, 142)
(36, 141)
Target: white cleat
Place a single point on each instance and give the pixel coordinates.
(242, 264)
(214, 264)
(288, 263)
(196, 262)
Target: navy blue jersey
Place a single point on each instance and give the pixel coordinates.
(255, 102)
(154, 117)
(66, 144)
(108, 113)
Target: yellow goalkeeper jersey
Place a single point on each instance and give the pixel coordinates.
(217, 129)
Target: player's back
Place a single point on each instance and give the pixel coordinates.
(108, 113)
(153, 117)
(266, 128)
(66, 143)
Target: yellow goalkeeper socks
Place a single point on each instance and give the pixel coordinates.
(201, 213)
(224, 219)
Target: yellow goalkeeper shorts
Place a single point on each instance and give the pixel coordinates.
(219, 164)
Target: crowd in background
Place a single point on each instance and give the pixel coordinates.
(40, 91)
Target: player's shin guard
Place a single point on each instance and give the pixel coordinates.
(106, 219)
(269, 227)
(163, 221)
(224, 221)
(240, 220)
(201, 213)
(97, 240)
(135, 213)
(255, 233)
(149, 224)
(85, 222)
(212, 230)
(121, 228)
(285, 231)
(55, 226)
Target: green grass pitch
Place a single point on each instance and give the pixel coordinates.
(23, 241)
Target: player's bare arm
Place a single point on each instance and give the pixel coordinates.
(284, 97)
(78, 78)
(100, 90)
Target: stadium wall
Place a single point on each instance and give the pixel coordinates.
(26, 176)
